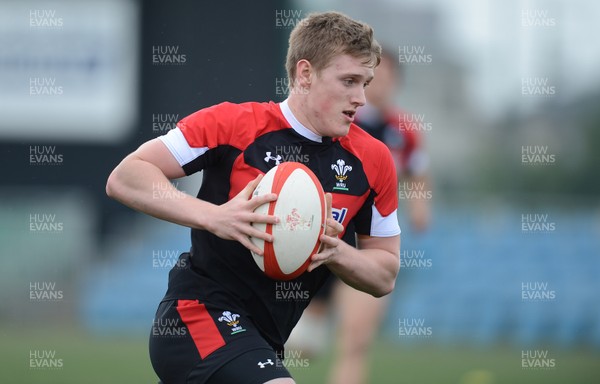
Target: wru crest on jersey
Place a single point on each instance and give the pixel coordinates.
(341, 169)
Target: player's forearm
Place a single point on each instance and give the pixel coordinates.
(142, 186)
(372, 271)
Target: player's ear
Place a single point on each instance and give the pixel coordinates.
(304, 72)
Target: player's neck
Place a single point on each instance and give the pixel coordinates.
(296, 124)
(298, 105)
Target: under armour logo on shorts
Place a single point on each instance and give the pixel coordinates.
(268, 362)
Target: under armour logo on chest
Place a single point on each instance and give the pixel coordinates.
(276, 159)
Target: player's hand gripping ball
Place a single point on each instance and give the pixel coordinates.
(301, 209)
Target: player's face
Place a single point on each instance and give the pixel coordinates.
(335, 94)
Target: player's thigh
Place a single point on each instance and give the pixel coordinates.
(281, 381)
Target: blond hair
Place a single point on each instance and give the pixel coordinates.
(321, 36)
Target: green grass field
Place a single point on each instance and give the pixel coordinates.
(430, 364)
(89, 360)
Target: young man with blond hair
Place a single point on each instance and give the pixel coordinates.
(235, 324)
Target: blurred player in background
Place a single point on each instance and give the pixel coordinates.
(235, 325)
(359, 315)
(398, 130)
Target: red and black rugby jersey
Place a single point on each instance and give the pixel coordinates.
(232, 144)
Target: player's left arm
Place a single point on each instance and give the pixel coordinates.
(371, 267)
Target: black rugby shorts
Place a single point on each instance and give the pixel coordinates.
(193, 342)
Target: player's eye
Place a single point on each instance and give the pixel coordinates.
(348, 82)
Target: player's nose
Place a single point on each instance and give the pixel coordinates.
(358, 98)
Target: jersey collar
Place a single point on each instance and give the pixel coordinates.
(296, 125)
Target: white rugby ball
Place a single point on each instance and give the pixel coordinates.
(300, 207)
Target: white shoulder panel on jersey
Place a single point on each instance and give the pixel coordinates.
(179, 147)
(384, 226)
